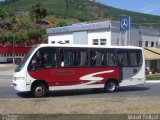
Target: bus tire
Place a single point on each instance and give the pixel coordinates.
(110, 86)
(39, 90)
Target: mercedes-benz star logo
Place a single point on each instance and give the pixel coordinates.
(124, 24)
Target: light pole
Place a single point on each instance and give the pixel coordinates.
(13, 54)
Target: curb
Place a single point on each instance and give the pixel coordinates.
(153, 81)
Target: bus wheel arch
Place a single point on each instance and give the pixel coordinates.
(111, 85)
(39, 88)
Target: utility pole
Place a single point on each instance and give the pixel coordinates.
(13, 54)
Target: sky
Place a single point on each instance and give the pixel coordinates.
(143, 6)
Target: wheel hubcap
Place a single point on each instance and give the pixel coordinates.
(111, 86)
(39, 90)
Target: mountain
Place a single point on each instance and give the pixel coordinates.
(84, 10)
(17, 23)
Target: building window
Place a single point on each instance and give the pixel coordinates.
(67, 41)
(53, 42)
(146, 43)
(140, 43)
(152, 44)
(95, 41)
(103, 41)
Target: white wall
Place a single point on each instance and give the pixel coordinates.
(99, 34)
(115, 37)
(150, 35)
(61, 37)
(135, 36)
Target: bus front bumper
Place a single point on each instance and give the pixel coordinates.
(19, 84)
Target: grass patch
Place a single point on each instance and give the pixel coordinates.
(153, 76)
(79, 106)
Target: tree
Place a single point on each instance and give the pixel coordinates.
(67, 4)
(3, 15)
(38, 12)
(62, 23)
(5, 2)
(104, 13)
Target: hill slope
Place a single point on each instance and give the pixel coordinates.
(84, 10)
(26, 32)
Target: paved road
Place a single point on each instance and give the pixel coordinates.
(149, 90)
(142, 91)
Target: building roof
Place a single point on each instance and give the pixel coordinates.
(79, 27)
(152, 53)
(155, 50)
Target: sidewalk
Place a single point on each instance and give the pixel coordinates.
(7, 65)
(7, 69)
(152, 81)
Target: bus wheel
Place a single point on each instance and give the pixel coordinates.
(39, 90)
(110, 86)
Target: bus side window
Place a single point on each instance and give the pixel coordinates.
(135, 59)
(68, 57)
(122, 58)
(38, 61)
(83, 56)
(61, 61)
(110, 58)
(43, 58)
(96, 57)
(50, 56)
(99, 58)
(92, 57)
(139, 57)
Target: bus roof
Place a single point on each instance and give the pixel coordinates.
(87, 46)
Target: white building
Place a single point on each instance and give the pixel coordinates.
(107, 33)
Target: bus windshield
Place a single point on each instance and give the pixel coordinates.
(21, 65)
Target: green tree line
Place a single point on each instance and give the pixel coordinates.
(5, 2)
(11, 30)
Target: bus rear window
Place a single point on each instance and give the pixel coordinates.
(129, 58)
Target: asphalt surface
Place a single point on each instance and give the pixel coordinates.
(148, 90)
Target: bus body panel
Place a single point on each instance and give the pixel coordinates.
(19, 81)
(133, 76)
(71, 78)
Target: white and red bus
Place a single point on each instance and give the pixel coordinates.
(7, 54)
(65, 67)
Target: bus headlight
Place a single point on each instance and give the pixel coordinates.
(19, 78)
